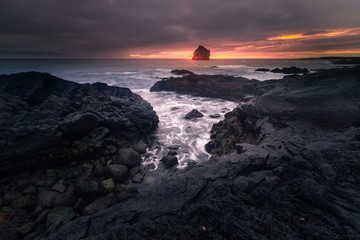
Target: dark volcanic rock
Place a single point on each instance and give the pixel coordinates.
(292, 177)
(201, 53)
(100, 204)
(116, 171)
(214, 86)
(139, 147)
(329, 99)
(182, 72)
(45, 120)
(216, 115)
(342, 60)
(58, 217)
(87, 188)
(262, 69)
(193, 114)
(169, 161)
(290, 70)
(129, 157)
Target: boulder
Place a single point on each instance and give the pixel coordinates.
(174, 147)
(201, 53)
(262, 69)
(58, 187)
(150, 166)
(65, 199)
(181, 72)
(129, 157)
(139, 147)
(108, 185)
(216, 115)
(172, 152)
(193, 114)
(116, 171)
(45, 198)
(87, 188)
(169, 161)
(174, 108)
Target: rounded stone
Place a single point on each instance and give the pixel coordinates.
(116, 171)
(129, 157)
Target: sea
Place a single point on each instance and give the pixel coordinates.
(140, 74)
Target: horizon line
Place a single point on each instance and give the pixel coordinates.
(87, 58)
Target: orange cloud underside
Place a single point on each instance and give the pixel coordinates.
(173, 54)
(326, 34)
(282, 46)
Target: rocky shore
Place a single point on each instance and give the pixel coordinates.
(286, 166)
(213, 86)
(66, 150)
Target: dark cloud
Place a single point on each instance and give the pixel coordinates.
(94, 28)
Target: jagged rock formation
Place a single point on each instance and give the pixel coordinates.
(214, 86)
(291, 173)
(181, 72)
(45, 119)
(329, 99)
(66, 150)
(201, 53)
(290, 70)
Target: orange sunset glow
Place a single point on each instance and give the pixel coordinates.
(294, 45)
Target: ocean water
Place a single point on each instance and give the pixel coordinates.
(140, 74)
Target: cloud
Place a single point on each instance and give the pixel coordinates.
(118, 28)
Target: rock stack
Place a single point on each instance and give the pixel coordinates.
(201, 53)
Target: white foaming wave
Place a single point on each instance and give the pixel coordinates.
(232, 66)
(120, 73)
(190, 135)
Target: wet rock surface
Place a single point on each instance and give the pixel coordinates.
(181, 72)
(193, 114)
(47, 120)
(289, 173)
(289, 70)
(214, 86)
(60, 147)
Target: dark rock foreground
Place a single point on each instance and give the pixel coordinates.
(291, 172)
(45, 119)
(67, 150)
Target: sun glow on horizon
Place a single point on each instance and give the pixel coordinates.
(285, 46)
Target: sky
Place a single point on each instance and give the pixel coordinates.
(174, 28)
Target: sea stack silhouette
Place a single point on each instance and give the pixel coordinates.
(201, 53)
